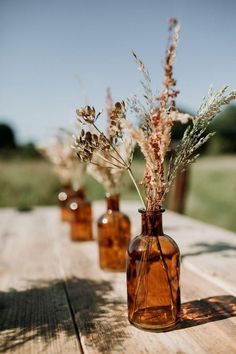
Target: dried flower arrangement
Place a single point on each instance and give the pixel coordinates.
(102, 168)
(152, 304)
(66, 166)
(108, 154)
(157, 117)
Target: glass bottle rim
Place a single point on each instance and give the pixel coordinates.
(149, 212)
(112, 195)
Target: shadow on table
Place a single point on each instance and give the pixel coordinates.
(204, 247)
(215, 308)
(42, 312)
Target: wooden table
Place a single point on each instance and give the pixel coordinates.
(55, 299)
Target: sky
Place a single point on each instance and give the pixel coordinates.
(58, 55)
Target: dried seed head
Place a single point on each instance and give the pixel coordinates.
(88, 114)
(117, 115)
(85, 145)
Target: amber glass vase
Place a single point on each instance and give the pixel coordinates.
(113, 236)
(80, 218)
(63, 198)
(153, 271)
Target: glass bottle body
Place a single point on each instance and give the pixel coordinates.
(153, 272)
(114, 232)
(63, 198)
(81, 219)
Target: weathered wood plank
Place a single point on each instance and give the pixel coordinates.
(34, 311)
(37, 256)
(98, 300)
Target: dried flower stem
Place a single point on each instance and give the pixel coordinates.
(165, 267)
(121, 161)
(108, 161)
(136, 186)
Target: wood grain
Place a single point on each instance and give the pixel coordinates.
(34, 312)
(53, 296)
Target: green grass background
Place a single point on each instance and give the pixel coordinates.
(211, 197)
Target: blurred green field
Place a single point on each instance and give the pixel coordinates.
(211, 197)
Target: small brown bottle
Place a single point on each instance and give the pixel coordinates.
(80, 218)
(63, 198)
(114, 232)
(153, 271)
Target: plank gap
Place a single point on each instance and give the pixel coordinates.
(73, 317)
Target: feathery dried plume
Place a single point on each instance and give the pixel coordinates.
(158, 116)
(194, 136)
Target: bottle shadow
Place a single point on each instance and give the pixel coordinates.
(199, 312)
(51, 307)
(92, 307)
(204, 248)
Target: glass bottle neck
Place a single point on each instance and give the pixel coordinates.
(66, 188)
(112, 202)
(152, 223)
(79, 193)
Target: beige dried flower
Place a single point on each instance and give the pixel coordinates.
(66, 166)
(108, 155)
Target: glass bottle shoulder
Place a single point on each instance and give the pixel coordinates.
(110, 215)
(139, 245)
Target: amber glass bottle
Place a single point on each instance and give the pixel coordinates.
(81, 218)
(153, 271)
(63, 198)
(113, 236)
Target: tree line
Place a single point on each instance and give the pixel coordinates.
(224, 141)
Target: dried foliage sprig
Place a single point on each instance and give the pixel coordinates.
(194, 136)
(94, 141)
(157, 115)
(109, 155)
(66, 166)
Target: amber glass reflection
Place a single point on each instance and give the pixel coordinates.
(63, 198)
(113, 236)
(81, 219)
(153, 270)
